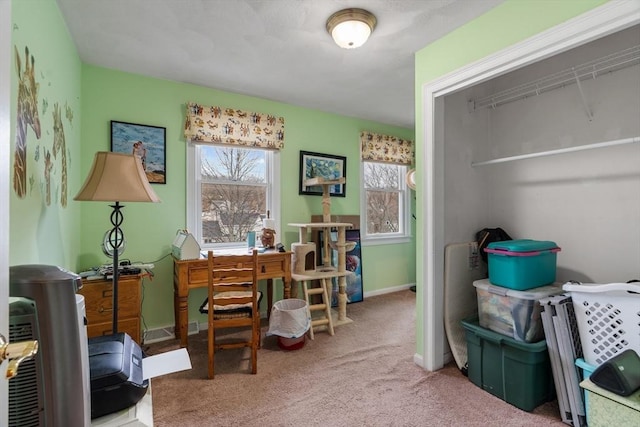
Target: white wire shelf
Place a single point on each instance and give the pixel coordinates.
(590, 70)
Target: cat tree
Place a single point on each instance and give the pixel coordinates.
(304, 268)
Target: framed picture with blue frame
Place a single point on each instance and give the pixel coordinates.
(354, 289)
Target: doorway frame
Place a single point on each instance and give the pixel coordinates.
(597, 23)
(5, 183)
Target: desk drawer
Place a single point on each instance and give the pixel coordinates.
(197, 273)
(272, 267)
(99, 300)
(130, 326)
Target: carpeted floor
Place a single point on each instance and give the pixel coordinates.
(362, 376)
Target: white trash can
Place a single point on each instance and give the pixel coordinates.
(290, 321)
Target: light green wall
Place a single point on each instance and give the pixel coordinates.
(150, 228)
(70, 237)
(507, 24)
(44, 233)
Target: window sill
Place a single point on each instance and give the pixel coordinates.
(388, 240)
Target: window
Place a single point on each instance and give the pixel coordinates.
(230, 190)
(384, 203)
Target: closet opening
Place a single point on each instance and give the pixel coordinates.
(459, 169)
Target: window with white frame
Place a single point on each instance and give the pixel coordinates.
(230, 190)
(385, 202)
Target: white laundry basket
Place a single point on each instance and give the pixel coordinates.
(608, 317)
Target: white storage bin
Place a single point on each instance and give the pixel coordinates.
(608, 317)
(510, 312)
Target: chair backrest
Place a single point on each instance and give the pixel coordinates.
(233, 273)
(233, 302)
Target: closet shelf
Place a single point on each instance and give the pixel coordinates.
(590, 70)
(635, 139)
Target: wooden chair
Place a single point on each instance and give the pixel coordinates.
(232, 302)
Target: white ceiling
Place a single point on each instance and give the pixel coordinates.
(273, 49)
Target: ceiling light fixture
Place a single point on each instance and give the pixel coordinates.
(350, 28)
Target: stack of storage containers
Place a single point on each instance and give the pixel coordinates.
(507, 354)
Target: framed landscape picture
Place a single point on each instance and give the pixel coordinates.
(326, 166)
(149, 143)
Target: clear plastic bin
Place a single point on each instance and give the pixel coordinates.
(512, 313)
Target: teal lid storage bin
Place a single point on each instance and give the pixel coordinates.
(517, 372)
(522, 264)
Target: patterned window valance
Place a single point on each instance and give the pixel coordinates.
(219, 125)
(385, 148)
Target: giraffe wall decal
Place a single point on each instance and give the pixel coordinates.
(27, 115)
(59, 145)
(48, 165)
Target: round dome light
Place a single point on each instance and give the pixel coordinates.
(350, 28)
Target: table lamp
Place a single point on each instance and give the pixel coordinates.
(116, 177)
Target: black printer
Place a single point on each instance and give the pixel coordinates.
(115, 362)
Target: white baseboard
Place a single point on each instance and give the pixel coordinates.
(388, 290)
(167, 332)
(418, 360)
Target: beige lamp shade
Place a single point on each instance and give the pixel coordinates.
(117, 177)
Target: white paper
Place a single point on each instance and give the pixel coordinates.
(165, 363)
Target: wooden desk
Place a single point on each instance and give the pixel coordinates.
(191, 274)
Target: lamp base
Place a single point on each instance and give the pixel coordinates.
(116, 240)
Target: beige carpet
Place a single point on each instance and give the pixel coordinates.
(362, 376)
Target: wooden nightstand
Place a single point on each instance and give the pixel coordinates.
(98, 296)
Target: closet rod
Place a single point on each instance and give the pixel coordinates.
(559, 151)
